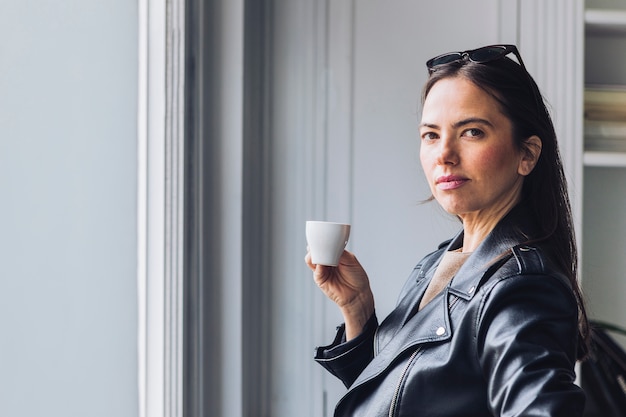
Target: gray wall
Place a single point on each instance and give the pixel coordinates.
(68, 298)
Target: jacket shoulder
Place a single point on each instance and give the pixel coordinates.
(529, 259)
(532, 260)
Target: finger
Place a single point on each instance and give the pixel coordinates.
(307, 260)
(346, 258)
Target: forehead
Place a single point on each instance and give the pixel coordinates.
(458, 97)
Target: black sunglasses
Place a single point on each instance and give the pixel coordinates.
(484, 55)
(479, 55)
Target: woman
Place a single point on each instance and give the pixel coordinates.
(491, 323)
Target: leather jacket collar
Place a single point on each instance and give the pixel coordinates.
(515, 228)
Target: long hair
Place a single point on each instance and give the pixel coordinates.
(545, 189)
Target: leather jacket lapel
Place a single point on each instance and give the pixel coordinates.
(431, 324)
(406, 307)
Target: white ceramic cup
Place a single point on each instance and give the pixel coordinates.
(326, 241)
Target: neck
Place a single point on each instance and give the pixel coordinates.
(477, 226)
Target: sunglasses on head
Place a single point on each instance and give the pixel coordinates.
(479, 55)
(482, 56)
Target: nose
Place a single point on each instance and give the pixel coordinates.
(447, 151)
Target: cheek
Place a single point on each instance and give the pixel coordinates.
(495, 159)
(489, 157)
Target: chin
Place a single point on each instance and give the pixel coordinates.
(453, 209)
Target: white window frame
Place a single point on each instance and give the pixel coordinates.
(159, 206)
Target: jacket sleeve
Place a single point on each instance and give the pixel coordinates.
(527, 338)
(346, 360)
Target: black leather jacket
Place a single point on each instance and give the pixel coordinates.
(500, 340)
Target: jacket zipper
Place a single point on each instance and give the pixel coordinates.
(396, 393)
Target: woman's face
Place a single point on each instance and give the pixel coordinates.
(472, 165)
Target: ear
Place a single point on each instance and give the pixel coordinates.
(530, 155)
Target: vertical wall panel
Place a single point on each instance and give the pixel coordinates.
(298, 180)
(551, 42)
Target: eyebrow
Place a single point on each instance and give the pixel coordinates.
(461, 123)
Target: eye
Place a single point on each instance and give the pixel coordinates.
(429, 135)
(473, 133)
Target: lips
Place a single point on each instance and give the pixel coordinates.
(450, 182)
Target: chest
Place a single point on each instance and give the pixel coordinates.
(436, 377)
